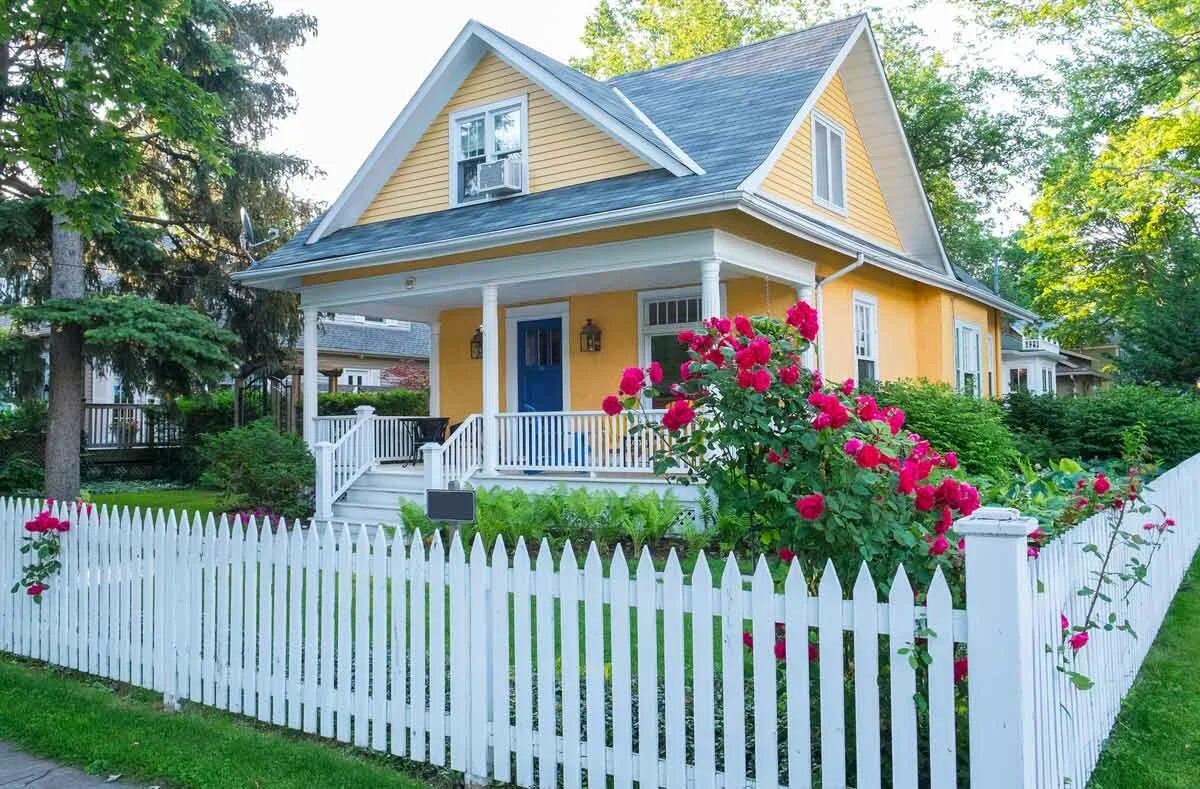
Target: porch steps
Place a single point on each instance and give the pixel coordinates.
(375, 497)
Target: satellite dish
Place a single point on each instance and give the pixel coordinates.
(247, 239)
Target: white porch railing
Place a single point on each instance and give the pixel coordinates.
(331, 428)
(342, 462)
(576, 441)
(462, 454)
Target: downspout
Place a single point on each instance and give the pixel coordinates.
(820, 298)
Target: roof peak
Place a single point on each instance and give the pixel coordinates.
(749, 44)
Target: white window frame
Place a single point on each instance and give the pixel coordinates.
(872, 305)
(834, 128)
(487, 110)
(959, 370)
(645, 332)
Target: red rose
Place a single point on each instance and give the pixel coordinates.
(761, 348)
(789, 375)
(722, 325)
(686, 336)
(895, 419)
(960, 670)
(34, 590)
(781, 650)
(950, 460)
(747, 639)
(865, 407)
(817, 381)
(848, 386)
(745, 379)
(1079, 640)
(632, 381)
(742, 324)
(803, 318)
(685, 371)
(775, 458)
(908, 478)
(814, 653)
(868, 456)
(786, 555)
(679, 414)
(761, 380)
(822, 421)
(656, 373)
(939, 545)
(944, 522)
(612, 405)
(1101, 486)
(744, 358)
(811, 506)
(925, 498)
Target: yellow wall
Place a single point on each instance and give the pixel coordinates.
(791, 177)
(564, 148)
(900, 343)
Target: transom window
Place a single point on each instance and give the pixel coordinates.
(866, 337)
(829, 164)
(486, 134)
(967, 359)
(671, 312)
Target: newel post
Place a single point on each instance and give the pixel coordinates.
(999, 647)
(323, 450)
(431, 458)
(364, 415)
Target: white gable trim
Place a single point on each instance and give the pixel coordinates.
(755, 179)
(431, 97)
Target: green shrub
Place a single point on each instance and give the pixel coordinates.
(256, 466)
(972, 427)
(390, 402)
(1096, 427)
(21, 474)
(22, 445)
(563, 514)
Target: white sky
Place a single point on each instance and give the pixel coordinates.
(369, 57)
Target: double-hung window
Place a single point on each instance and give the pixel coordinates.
(485, 134)
(829, 164)
(664, 315)
(967, 359)
(1047, 381)
(866, 337)
(1018, 379)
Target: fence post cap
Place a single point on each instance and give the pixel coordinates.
(363, 411)
(995, 522)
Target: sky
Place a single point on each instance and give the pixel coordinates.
(369, 57)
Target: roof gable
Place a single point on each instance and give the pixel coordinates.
(594, 101)
(860, 70)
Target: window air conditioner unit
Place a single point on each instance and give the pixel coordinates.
(501, 177)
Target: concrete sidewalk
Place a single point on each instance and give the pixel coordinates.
(20, 769)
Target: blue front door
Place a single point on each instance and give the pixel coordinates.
(539, 365)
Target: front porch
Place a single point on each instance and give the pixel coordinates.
(510, 374)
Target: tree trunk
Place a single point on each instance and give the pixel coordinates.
(66, 363)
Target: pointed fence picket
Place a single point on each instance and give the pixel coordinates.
(531, 666)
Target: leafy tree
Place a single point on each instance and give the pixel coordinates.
(1162, 339)
(966, 151)
(128, 140)
(1116, 213)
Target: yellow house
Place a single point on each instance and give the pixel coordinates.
(516, 205)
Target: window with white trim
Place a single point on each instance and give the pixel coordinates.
(866, 337)
(966, 359)
(486, 134)
(1018, 379)
(829, 163)
(662, 318)
(1047, 381)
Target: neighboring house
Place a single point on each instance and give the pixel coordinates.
(1037, 364)
(364, 354)
(515, 202)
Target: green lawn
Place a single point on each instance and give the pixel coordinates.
(1156, 741)
(104, 728)
(190, 499)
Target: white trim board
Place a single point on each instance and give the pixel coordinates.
(527, 312)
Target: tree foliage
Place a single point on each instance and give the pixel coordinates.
(966, 150)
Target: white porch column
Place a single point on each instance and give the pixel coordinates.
(309, 380)
(710, 288)
(807, 294)
(491, 378)
(435, 372)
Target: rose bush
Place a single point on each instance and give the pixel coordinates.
(820, 470)
(43, 541)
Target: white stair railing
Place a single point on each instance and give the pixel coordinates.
(460, 457)
(343, 461)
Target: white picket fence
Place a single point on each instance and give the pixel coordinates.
(351, 634)
(1070, 726)
(538, 670)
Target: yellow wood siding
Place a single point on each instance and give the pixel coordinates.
(791, 177)
(564, 148)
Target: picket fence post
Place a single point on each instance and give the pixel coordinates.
(999, 647)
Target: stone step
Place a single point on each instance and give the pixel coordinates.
(380, 495)
(367, 513)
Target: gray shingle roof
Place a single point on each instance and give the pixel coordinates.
(726, 110)
(373, 340)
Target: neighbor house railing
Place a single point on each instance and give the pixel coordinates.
(577, 441)
(127, 426)
(527, 666)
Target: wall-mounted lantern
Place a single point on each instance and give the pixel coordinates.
(477, 344)
(589, 337)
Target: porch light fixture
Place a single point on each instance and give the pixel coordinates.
(477, 344)
(589, 337)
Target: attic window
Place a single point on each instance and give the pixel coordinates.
(829, 164)
(482, 135)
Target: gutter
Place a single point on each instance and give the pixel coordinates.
(859, 262)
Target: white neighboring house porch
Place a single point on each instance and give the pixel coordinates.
(366, 463)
